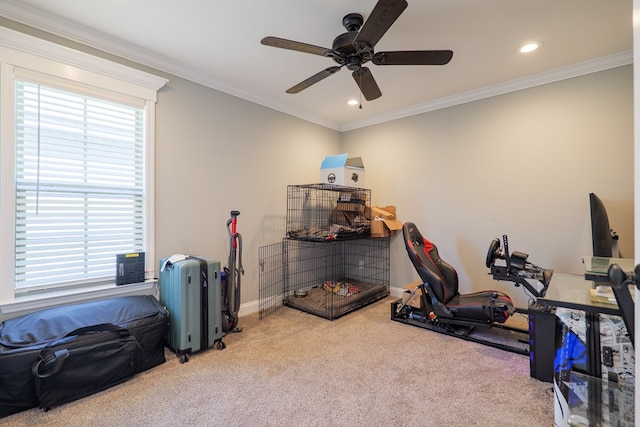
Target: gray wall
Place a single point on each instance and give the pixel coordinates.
(216, 153)
(521, 164)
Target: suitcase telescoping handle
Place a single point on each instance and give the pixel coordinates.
(43, 367)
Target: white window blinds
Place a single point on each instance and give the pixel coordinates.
(80, 168)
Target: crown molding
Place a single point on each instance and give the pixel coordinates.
(568, 72)
(83, 35)
(14, 45)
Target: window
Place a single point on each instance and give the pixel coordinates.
(76, 167)
(79, 186)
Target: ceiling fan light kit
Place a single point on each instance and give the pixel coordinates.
(355, 48)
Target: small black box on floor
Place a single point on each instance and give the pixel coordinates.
(542, 342)
(130, 268)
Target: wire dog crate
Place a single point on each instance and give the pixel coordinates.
(321, 212)
(328, 264)
(332, 279)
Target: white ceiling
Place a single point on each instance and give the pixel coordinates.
(217, 43)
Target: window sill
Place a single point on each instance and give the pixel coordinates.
(27, 304)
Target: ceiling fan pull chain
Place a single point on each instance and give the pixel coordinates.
(360, 85)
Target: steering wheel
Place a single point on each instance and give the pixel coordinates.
(493, 253)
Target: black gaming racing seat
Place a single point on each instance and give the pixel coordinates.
(440, 279)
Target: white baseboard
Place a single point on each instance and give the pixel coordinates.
(254, 306)
(396, 292)
(249, 308)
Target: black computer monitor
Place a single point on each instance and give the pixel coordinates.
(602, 237)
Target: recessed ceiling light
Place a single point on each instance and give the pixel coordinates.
(352, 102)
(529, 47)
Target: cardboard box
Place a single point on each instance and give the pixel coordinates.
(352, 201)
(351, 207)
(342, 170)
(416, 300)
(343, 217)
(383, 221)
(352, 219)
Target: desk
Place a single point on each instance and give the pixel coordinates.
(568, 291)
(591, 341)
(596, 268)
(570, 295)
(573, 291)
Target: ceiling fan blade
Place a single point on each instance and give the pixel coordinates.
(383, 15)
(313, 79)
(413, 57)
(367, 84)
(293, 45)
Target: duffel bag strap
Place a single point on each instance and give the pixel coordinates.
(57, 357)
(110, 327)
(52, 362)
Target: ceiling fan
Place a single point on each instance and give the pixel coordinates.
(355, 48)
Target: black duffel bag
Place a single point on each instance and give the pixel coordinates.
(23, 338)
(86, 361)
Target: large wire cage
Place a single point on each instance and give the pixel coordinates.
(321, 212)
(328, 264)
(333, 278)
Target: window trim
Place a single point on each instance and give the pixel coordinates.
(19, 50)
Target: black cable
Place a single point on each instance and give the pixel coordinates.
(549, 392)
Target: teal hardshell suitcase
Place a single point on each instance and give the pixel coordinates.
(190, 290)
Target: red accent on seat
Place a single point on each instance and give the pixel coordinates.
(427, 246)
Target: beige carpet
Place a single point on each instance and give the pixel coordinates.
(296, 369)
